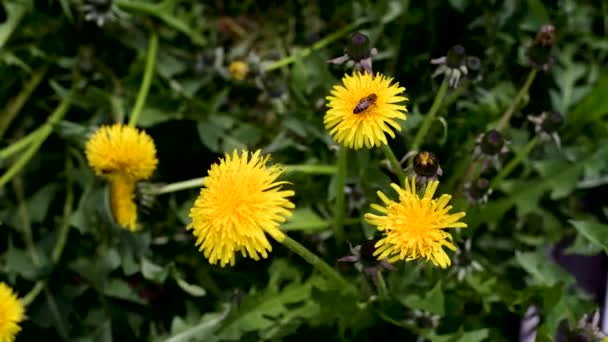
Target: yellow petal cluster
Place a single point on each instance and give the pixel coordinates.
(123, 155)
(12, 313)
(241, 200)
(354, 119)
(413, 227)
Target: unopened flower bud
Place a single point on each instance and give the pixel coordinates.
(359, 47)
(552, 122)
(479, 188)
(492, 142)
(426, 164)
(540, 52)
(456, 57)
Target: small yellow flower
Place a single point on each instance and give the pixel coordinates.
(12, 313)
(414, 226)
(123, 155)
(240, 201)
(238, 70)
(363, 109)
(122, 149)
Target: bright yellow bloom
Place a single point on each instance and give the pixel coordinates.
(414, 226)
(364, 109)
(240, 201)
(122, 149)
(11, 313)
(123, 155)
(238, 70)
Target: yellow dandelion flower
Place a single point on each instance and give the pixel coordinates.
(238, 70)
(12, 313)
(122, 149)
(123, 155)
(240, 201)
(414, 226)
(363, 109)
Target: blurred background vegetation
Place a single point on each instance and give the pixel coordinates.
(69, 66)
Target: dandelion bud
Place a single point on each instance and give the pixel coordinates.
(479, 188)
(552, 122)
(492, 142)
(456, 57)
(540, 52)
(238, 70)
(358, 48)
(426, 164)
(453, 65)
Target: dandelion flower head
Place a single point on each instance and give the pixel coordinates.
(12, 313)
(121, 149)
(413, 226)
(363, 109)
(240, 201)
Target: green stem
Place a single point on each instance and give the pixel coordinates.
(429, 118)
(513, 163)
(16, 104)
(45, 131)
(506, 116)
(315, 261)
(395, 164)
(147, 80)
(317, 46)
(20, 144)
(178, 186)
(15, 12)
(312, 169)
(340, 208)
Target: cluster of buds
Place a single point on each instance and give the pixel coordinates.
(358, 53)
(540, 52)
(456, 65)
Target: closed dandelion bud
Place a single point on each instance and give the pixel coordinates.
(540, 52)
(492, 142)
(453, 65)
(479, 188)
(552, 122)
(456, 57)
(358, 48)
(426, 164)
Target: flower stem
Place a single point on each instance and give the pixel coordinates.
(20, 144)
(178, 186)
(513, 163)
(395, 165)
(312, 169)
(37, 141)
(506, 116)
(16, 12)
(340, 212)
(315, 261)
(147, 80)
(317, 46)
(429, 118)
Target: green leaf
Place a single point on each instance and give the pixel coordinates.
(433, 301)
(38, 205)
(202, 331)
(305, 219)
(543, 270)
(591, 108)
(154, 272)
(120, 289)
(460, 336)
(594, 231)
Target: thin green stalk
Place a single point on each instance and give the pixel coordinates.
(340, 208)
(45, 131)
(15, 12)
(147, 80)
(513, 162)
(14, 106)
(430, 117)
(312, 169)
(395, 165)
(315, 261)
(317, 46)
(381, 285)
(506, 116)
(20, 144)
(178, 186)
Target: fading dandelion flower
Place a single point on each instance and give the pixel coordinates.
(238, 70)
(358, 52)
(363, 109)
(12, 312)
(540, 51)
(489, 147)
(453, 66)
(547, 124)
(101, 11)
(241, 200)
(123, 155)
(414, 226)
(363, 257)
(477, 192)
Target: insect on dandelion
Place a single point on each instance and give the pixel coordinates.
(363, 109)
(12, 313)
(123, 155)
(241, 200)
(413, 227)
